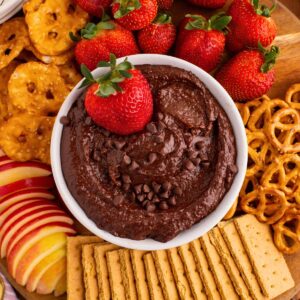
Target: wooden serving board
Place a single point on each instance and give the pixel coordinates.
(287, 72)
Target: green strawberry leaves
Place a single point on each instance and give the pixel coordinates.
(263, 10)
(197, 22)
(126, 6)
(163, 19)
(108, 82)
(270, 57)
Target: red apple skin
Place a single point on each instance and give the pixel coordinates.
(29, 194)
(17, 164)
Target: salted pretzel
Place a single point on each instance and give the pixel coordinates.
(292, 96)
(287, 231)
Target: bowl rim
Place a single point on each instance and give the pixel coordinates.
(9, 6)
(206, 223)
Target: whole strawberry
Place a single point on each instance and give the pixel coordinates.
(249, 74)
(120, 100)
(98, 40)
(165, 4)
(159, 36)
(94, 7)
(134, 14)
(208, 3)
(251, 23)
(204, 41)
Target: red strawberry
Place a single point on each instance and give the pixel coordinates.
(251, 23)
(159, 36)
(100, 40)
(248, 75)
(165, 4)
(134, 14)
(94, 7)
(121, 100)
(204, 41)
(208, 3)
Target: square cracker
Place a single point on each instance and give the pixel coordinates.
(182, 282)
(140, 274)
(115, 275)
(127, 274)
(222, 279)
(228, 261)
(238, 252)
(102, 271)
(192, 274)
(268, 263)
(165, 274)
(205, 271)
(75, 283)
(152, 278)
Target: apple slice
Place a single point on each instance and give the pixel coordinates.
(38, 222)
(43, 266)
(5, 160)
(23, 195)
(50, 279)
(35, 237)
(45, 182)
(61, 286)
(15, 171)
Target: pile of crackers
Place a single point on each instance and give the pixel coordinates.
(236, 260)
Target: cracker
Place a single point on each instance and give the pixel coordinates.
(228, 261)
(102, 271)
(191, 272)
(165, 275)
(222, 279)
(127, 274)
(75, 284)
(115, 275)
(140, 274)
(177, 266)
(155, 288)
(241, 259)
(268, 263)
(205, 271)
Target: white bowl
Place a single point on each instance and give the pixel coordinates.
(9, 7)
(205, 224)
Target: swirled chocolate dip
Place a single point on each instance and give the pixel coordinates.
(161, 181)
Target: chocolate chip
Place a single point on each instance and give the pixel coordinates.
(127, 159)
(152, 157)
(160, 116)
(108, 143)
(158, 139)
(126, 186)
(119, 144)
(192, 154)
(141, 197)
(96, 155)
(88, 121)
(199, 145)
(165, 194)
(146, 188)
(150, 207)
(156, 200)
(133, 196)
(233, 168)
(163, 205)
(196, 161)
(118, 183)
(167, 186)
(178, 191)
(172, 201)
(134, 165)
(205, 163)
(145, 203)
(118, 200)
(138, 188)
(189, 165)
(65, 120)
(126, 179)
(156, 187)
(151, 128)
(150, 195)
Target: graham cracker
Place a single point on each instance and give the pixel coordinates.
(238, 252)
(127, 274)
(231, 267)
(192, 274)
(205, 271)
(75, 283)
(165, 274)
(152, 278)
(102, 271)
(140, 274)
(268, 263)
(222, 279)
(178, 270)
(115, 275)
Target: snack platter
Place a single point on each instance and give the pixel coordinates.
(78, 244)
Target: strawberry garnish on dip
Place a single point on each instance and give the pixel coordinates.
(249, 74)
(119, 100)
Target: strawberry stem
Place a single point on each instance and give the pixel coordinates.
(126, 6)
(269, 56)
(263, 9)
(163, 19)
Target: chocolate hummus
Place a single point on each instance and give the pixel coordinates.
(163, 180)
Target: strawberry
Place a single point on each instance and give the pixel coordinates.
(204, 41)
(134, 14)
(120, 100)
(94, 7)
(98, 40)
(165, 4)
(159, 36)
(251, 23)
(249, 74)
(208, 3)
